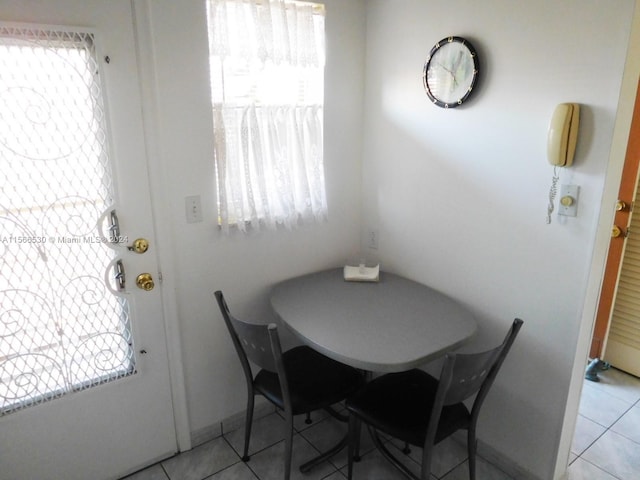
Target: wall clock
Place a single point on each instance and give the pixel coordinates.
(450, 72)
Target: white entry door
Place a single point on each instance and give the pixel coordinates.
(84, 378)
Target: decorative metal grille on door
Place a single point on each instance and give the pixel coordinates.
(61, 328)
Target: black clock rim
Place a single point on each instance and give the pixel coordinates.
(476, 68)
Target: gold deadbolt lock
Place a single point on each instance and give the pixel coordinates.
(620, 206)
(145, 281)
(140, 245)
(616, 231)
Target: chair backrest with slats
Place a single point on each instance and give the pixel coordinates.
(464, 375)
(260, 344)
(504, 350)
(469, 372)
(252, 341)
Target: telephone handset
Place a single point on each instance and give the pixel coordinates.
(561, 143)
(563, 134)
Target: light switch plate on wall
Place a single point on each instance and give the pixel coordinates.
(193, 209)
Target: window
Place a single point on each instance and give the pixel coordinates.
(267, 88)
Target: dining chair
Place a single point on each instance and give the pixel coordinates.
(298, 381)
(421, 410)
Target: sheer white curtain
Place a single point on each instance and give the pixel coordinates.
(267, 80)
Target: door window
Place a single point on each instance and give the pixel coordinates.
(61, 329)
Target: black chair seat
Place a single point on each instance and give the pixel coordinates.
(420, 410)
(399, 404)
(315, 381)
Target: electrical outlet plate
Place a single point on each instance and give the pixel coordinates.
(372, 239)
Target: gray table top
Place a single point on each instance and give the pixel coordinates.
(389, 326)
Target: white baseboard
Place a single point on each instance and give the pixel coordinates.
(233, 422)
(505, 464)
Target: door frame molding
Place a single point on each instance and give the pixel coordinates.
(163, 233)
(624, 114)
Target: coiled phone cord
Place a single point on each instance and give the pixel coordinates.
(552, 194)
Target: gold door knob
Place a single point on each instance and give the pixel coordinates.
(620, 205)
(616, 231)
(140, 245)
(145, 281)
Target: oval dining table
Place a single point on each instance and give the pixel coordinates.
(391, 325)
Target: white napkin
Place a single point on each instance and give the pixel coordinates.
(361, 273)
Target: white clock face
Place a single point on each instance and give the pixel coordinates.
(450, 72)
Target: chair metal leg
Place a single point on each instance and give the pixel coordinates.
(472, 447)
(425, 466)
(338, 416)
(354, 444)
(392, 459)
(356, 440)
(288, 445)
(306, 467)
(247, 427)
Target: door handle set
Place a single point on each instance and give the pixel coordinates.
(140, 245)
(144, 281)
(617, 231)
(119, 276)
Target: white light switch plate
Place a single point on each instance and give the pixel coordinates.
(193, 209)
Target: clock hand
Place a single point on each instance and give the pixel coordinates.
(455, 68)
(445, 68)
(450, 73)
(458, 60)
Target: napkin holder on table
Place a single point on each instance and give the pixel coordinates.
(361, 273)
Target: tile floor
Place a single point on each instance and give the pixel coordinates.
(219, 459)
(606, 446)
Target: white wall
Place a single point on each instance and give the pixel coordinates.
(243, 266)
(459, 197)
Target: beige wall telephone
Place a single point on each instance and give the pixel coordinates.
(561, 144)
(563, 134)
